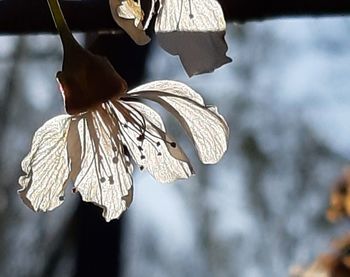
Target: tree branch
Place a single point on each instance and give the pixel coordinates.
(23, 16)
(256, 10)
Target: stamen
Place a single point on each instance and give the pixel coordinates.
(99, 125)
(141, 137)
(142, 167)
(133, 116)
(126, 135)
(125, 150)
(103, 179)
(139, 130)
(190, 4)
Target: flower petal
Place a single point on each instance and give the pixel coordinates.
(164, 162)
(105, 173)
(195, 31)
(207, 129)
(190, 16)
(46, 166)
(129, 15)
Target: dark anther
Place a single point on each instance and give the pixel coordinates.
(114, 148)
(158, 143)
(159, 154)
(173, 144)
(125, 150)
(103, 179)
(125, 125)
(141, 137)
(110, 179)
(140, 148)
(115, 160)
(61, 198)
(142, 167)
(143, 157)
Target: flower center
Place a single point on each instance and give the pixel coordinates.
(138, 134)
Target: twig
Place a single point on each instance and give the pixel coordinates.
(23, 16)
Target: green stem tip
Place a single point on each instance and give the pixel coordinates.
(61, 24)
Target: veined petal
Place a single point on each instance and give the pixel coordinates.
(46, 166)
(158, 153)
(195, 31)
(105, 173)
(190, 16)
(129, 15)
(207, 129)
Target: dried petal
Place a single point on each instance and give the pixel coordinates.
(155, 153)
(207, 129)
(129, 15)
(105, 174)
(46, 166)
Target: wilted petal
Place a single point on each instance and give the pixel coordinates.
(105, 174)
(128, 15)
(207, 129)
(195, 31)
(46, 166)
(166, 163)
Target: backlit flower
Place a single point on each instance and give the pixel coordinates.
(192, 29)
(108, 129)
(94, 148)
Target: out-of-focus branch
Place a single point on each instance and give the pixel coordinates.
(23, 16)
(255, 10)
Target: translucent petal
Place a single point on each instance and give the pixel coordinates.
(104, 176)
(166, 163)
(128, 15)
(195, 31)
(190, 16)
(207, 129)
(46, 166)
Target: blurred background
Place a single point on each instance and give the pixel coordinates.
(257, 213)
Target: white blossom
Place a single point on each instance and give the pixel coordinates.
(95, 149)
(192, 29)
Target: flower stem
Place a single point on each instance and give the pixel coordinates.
(67, 38)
